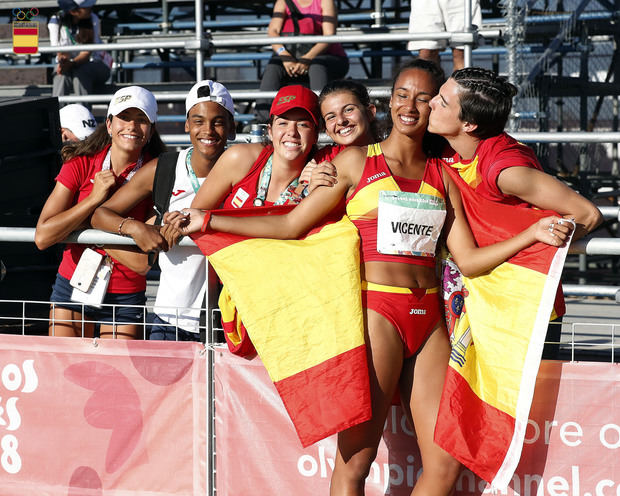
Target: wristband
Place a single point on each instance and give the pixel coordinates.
(281, 50)
(120, 226)
(205, 222)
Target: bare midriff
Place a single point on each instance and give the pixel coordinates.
(400, 274)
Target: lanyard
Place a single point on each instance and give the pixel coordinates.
(287, 195)
(190, 170)
(70, 36)
(107, 163)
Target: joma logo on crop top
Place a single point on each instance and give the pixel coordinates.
(376, 176)
(285, 99)
(407, 228)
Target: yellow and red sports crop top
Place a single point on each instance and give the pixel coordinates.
(362, 205)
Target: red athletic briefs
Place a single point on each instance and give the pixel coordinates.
(413, 312)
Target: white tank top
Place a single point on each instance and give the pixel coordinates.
(182, 283)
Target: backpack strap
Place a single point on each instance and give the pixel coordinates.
(295, 14)
(163, 182)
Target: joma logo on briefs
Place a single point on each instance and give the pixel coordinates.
(417, 311)
(376, 176)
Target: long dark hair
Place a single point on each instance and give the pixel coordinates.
(100, 138)
(359, 91)
(85, 30)
(432, 144)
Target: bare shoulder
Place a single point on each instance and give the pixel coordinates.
(237, 161)
(351, 155)
(350, 164)
(240, 154)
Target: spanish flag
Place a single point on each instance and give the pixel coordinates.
(497, 344)
(300, 301)
(25, 37)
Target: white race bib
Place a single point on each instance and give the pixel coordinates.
(409, 223)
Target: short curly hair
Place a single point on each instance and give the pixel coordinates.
(485, 98)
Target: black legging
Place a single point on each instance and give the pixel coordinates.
(323, 68)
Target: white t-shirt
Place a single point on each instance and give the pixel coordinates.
(62, 36)
(183, 280)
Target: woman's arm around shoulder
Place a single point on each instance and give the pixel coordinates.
(308, 213)
(473, 260)
(289, 226)
(232, 166)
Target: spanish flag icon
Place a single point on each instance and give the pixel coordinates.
(25, 37)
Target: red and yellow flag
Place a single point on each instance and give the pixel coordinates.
(497, 344)
(300, 301)
(25, 37)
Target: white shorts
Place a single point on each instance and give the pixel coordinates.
(438, 16)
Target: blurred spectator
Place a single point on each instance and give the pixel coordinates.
(307, 64)
(438, 16)
(76, 122)
(77, 72)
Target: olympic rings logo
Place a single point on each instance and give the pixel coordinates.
(25, 15)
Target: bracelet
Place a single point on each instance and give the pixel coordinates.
(281, 50)
(120, 226)
(205, 222)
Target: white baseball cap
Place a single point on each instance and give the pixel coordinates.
(134, 97)
(210, 91)
(77, 119)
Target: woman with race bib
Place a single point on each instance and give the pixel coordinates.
(95, 278)
(401, 204)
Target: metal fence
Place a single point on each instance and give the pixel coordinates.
(582, 335)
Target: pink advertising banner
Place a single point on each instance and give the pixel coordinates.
(90, 418)
(572, 443)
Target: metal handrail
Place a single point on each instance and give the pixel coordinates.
(539, 137)
(588, 246)
(188, 43)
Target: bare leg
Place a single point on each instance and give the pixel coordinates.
(131, 331)
(432, 55)
(69, 323)
(458, 58)
(425, 377)
(357, 446)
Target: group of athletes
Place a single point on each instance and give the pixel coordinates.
(433, 123)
